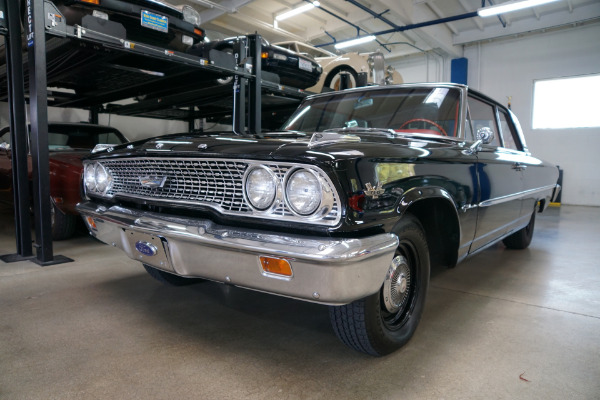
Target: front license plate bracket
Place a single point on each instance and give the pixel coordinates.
(149, 249)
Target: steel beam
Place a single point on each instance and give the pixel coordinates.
(18, 131)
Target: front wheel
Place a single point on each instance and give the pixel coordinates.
(385, 321)
(63, 224)
(334, 80)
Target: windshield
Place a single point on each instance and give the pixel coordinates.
(70, 137)
(81, 137)
(404, 110)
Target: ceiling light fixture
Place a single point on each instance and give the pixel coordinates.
(297, 11)
(354, 42)
(510, 6)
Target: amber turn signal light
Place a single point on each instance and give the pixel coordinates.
(90, 222)
(277, 266)
(96, 2)
(264, 54)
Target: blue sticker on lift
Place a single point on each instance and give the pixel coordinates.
(155, 21)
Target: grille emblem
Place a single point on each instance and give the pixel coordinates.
(203, 146)
(153, 182)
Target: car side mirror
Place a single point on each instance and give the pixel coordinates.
(485, 134)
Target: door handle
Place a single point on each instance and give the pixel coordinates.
(519, 166)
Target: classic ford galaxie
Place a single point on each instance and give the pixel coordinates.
(348, 205)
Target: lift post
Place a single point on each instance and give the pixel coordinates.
(18, 132)
(38, 112)
(254, 92)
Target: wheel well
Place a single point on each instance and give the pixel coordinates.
(442, 230)
(337, 69)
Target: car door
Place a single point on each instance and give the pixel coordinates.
(499, 176)
(532, 169)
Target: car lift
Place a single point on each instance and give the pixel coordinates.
(44, 22)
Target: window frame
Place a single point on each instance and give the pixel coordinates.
(533, 102)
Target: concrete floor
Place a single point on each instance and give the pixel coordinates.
(502, 325)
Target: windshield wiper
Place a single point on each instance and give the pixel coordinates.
(356, 129)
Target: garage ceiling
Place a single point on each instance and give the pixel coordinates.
(339, 20)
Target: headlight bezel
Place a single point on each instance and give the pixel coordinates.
(91, 182)
(276, 186)
(288, 178)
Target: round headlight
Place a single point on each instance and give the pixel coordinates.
(303, 192)
(103, 178)
(261, 188)
(191, 15)
(89, 177)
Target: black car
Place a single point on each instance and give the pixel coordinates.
(349, 205)
(154, 22)
(293, 69)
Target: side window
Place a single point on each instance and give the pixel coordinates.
(483, 116)
(511, 140)
(5, 138)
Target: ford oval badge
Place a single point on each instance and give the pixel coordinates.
(147, 249)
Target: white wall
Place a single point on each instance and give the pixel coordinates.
(422, 67)
(132, 127)
(508, 67)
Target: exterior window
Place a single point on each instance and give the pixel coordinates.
(566, 103)
(483, 116)
(508, 131)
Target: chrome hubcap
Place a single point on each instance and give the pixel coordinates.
(396, 285)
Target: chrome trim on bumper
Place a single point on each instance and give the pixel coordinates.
(325, 270)
(556, 192)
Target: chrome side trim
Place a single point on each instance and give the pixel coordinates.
(510, 197)
(557, 190)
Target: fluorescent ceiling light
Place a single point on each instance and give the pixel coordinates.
(510, 6)
(354, 42)
(296, 11)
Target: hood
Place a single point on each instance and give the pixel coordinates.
(69, 157)
(287, 146)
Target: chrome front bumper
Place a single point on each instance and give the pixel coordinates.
(325, 270)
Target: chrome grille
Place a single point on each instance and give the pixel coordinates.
(217, 183)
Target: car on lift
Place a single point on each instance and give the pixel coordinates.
(350, 205)
(295, 70)
(359, 69)
(68, 143)
(154, 22)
